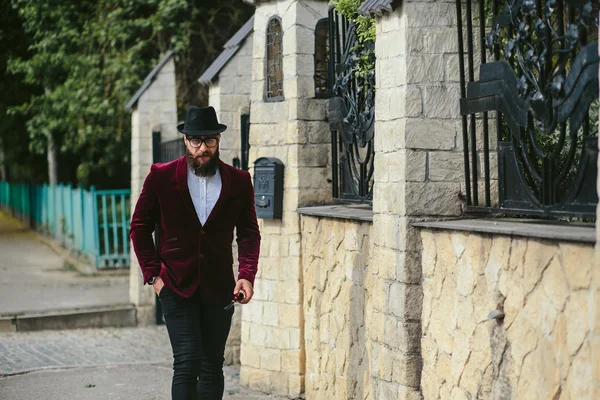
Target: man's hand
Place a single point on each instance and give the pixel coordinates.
(245, 286)
(158, 285)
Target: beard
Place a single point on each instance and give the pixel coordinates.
(207, 169)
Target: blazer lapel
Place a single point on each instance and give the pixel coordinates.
(184, 190)
(225, 182)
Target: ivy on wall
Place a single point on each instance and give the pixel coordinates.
(365, 32)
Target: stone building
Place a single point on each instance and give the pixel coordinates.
(403, 293)
(154, 109)
(229, 79)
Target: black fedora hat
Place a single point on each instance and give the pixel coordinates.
(201, 122)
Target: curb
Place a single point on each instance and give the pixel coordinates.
(102, 317)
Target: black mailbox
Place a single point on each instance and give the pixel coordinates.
(268, 188)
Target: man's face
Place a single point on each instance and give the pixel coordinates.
(203, 153)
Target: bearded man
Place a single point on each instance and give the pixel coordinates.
(197, 201)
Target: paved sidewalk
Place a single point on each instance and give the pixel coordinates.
(35, 279)
(90, 364)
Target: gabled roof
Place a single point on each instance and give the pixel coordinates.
(375, 7)
(149, 79)
(230, 48)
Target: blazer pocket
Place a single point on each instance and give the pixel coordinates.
(170, 250)
(170, 240)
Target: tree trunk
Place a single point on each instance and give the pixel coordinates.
(52, 162)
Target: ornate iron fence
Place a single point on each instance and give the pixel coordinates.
(351, 113)
(541, 90)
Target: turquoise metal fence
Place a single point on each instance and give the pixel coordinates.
(93, 224)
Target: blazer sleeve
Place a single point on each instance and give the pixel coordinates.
(144, 219)
(248, 236)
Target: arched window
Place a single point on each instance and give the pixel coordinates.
(322, 83)
(274, 84)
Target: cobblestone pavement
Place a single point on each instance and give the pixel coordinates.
(27, 351)
(122, 363)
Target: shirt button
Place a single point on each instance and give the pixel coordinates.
(202, 232)
(201, 256)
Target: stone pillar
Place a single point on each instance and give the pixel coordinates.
(595, 307)
(295, 131)
(155, 110)
(418, 174)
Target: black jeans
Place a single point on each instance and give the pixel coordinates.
(198, 333)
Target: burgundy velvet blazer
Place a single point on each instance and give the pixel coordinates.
(192, 257)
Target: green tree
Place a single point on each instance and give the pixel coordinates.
(91, 56)
(16, 162)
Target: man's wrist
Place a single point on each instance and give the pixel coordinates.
(151, 280)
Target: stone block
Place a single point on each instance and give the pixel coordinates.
(430, 15)
(545, 382)
(242, 85)
(295, 132)
(429, 134)
(577, 262)
(407, 165)
(307, 109)
(268, 113)
(390, 198)
(290, 315)
(421, 68)
(441, 101)
(440, 40)
(555, 286)
(389, 135)
(298, 40)
(309, 13)
(405, 301)
(295, 385)
(299, 87)
(446, 166)
(253, 312)
(270, 315)
(309, 156)
(318, 132)
(292, 361)
(390, 72)
(452, 68)
(433, 198)
(234, 103)
(255, 379)
(578, 326)
(250, 355)
(257, 93)
(270, 359)
(407, 370)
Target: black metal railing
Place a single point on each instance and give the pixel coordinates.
(351, 113)
(171, 150)
(538, 98)
(245, 140)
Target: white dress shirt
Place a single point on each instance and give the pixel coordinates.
(205, 192)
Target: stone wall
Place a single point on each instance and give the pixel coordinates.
(294, 131)
(156, 110)
(230, 96)
(335, 257)
(542, 348)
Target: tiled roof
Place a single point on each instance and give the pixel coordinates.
(149, 79)
(375, 7)
(230, 48)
